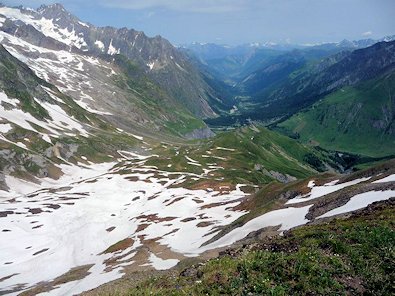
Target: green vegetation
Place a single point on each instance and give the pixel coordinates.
(354, 119)
(173, 117)
(17, 80)
(352, 256)
(248, 155)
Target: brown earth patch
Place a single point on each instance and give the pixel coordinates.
(7, 277)
(198, 201)
(41, 251)
(91, 181)
(213, 184)
(218, 204)
(52, 206)
(175, 200)
(74, 274)
(133, 178)
(141, 227)
(173, 231)
(119, 246)
(188, 219)
(5, 214)
(154, 218)
(204, 224)
(54, 172)
(385, 169)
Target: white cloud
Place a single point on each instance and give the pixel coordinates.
(367, 33)
(203, 6)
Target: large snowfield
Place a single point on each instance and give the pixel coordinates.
(49, 228)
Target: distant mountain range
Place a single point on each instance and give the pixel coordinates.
(268, 86)
(237, 62)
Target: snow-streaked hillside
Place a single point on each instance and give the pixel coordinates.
(52, 27)
(52, 227)
(127, 215)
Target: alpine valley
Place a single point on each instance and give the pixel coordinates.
(128, 164)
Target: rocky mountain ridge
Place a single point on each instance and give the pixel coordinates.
(51, 26)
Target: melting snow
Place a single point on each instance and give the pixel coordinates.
(226, 149)
(100, 45)
(390, 178)
(287, 218)
(319, 191)
(360, 201)
(5, 128)
(90, 201)
(191, 160)
(151, 65)
(161, 264)
(112, 50)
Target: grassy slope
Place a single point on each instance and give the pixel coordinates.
(171, 116)
(344, 120)
(352, 256)
(248, 147)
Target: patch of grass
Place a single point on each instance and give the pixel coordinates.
(353, 119)
(248, 155)
(344, 257)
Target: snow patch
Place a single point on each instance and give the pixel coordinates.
(5, 128)
(287, 218)
(112, 50)
(100, 45)
(162, 264)
(360, 201)
(151, 65)
(390, 178)
(319, 191)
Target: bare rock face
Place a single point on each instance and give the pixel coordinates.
(283, 178)
(203, 133)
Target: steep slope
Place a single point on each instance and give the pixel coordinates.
(313, 84)
(357, 119)
(350, 221)
(42, 128)
(325, 259)
(271, 72)
(53, 27)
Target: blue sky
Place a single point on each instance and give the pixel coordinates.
(239, 21)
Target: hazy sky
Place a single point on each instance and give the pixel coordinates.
(239, 21)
